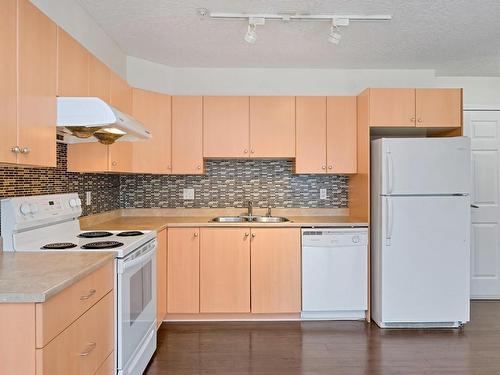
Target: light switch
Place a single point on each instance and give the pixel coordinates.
(188, 194)
(322, 193)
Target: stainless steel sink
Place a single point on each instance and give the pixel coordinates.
(270, 219)
(229, 219)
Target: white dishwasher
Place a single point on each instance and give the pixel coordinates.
(334, 273)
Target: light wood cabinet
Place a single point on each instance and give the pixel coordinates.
(73, 66)
(225, 270)
(275, 270)
(154, 111)
(8, 78)
(183, 270)
(161, 276)
(392, 107)
(272, 126)
(341, 135)
(226, 126)
(99, 79)
(441, 108)
(187, 135)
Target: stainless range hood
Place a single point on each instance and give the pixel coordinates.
(90, 119)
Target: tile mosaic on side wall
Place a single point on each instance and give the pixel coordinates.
(17, 181)
(231, 183)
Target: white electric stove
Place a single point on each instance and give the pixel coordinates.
(50, 223)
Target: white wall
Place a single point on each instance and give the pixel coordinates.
(77, 22)
(478, 91)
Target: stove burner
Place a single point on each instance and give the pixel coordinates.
(130, 233)
(59, 246)
(94, 234)
(102, 245)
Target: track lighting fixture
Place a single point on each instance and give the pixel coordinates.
(251, 35)
(334, 36)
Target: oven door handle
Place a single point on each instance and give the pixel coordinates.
(133, 262)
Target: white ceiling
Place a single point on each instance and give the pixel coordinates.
(455, 37)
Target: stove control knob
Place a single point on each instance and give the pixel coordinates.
(25, 209)
(34, 208)
(355, 239)
(73, 203)
(79, 201)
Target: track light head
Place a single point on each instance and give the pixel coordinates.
(334, 36)
(251, 35)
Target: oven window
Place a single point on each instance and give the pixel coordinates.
(141, 291)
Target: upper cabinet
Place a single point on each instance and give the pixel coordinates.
(73, 66)
(272, 126)
(187, 135)
(154, 111)
(37, 80)
(99, 79)
(226, 126)
(429, 108)
(326, 134)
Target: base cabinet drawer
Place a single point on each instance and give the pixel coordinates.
(83, 347)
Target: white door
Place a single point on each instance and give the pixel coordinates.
(483, 128)
(425, 165)
(425, 259)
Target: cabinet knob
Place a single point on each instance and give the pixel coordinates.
(323, 167)
(330, 167)
(196, 234)
(412, 119)
(114, 164)
(419, 120)
(25, 150)
(16, 149)
(246, 234)
(169, 167)
(252, 151)
(198, 167)
(245, 151)
(253, 234)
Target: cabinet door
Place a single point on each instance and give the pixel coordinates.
(275, 269)
(225, 270)
(37, 53)
(88, 157)
(183, 270)
(99, 79)
(187, 135)
(311, 134)
(341, 134)
(73, 66)
(120, 153)
(392, 107)
(161, 277)
(226, 126)
(154, 111)
(8, 79)
(440, 108)
(272, 126)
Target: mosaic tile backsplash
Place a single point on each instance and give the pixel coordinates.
(231, 183)
(16, 181)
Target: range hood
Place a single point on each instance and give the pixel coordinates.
(90, 119)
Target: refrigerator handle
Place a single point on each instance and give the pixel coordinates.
(390, 176)
(390, 221)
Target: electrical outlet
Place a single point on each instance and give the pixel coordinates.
(188, 194)
(88, 198)
(322, 193)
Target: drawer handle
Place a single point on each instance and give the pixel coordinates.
(89, 350)
(86, 297)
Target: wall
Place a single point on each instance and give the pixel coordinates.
(232, 183)
(17, 181)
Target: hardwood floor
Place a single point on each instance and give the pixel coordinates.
(330, 348)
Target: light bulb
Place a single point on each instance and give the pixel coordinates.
(334, 36)
(251, 35)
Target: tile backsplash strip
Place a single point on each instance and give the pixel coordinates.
(17, 181)
(231, 183)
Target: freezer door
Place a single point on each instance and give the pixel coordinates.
(425, 259)
(424, 165)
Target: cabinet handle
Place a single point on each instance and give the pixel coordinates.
(245, 151)
(196, 234)
(114, 164)
(169, 167)
(419, 120)
(253, 234)
(330, 167)
(412, 119)
(252, 151)
(323, 167)
(89, 349)
(246, 234)
(87, 296)
(25, 150)
(198, 167)
(16, 149)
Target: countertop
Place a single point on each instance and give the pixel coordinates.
(126, 220)
(30, 277)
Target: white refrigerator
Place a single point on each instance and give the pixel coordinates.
(420, 230)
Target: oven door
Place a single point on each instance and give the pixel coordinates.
(136, 301)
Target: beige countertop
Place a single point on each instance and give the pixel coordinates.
(158, 219)
(29, 277)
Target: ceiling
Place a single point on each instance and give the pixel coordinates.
(455, 37)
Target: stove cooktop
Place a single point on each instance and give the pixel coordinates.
(59, 246)
(102, 245)
(95, 234)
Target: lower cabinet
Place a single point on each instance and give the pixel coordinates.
(161, 277)
(225, 270)
(233, 270)
(275, 268)
(183, 270)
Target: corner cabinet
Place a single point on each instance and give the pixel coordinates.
(326, 135)
(29, 79)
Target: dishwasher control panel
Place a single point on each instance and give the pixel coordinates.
(320, 237)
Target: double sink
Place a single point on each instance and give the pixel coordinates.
(250, 219)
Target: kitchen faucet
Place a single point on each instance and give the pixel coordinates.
(250, 209)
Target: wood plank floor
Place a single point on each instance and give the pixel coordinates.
(330, 348)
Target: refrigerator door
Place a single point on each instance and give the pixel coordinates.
(424, 263)
(423, 166)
